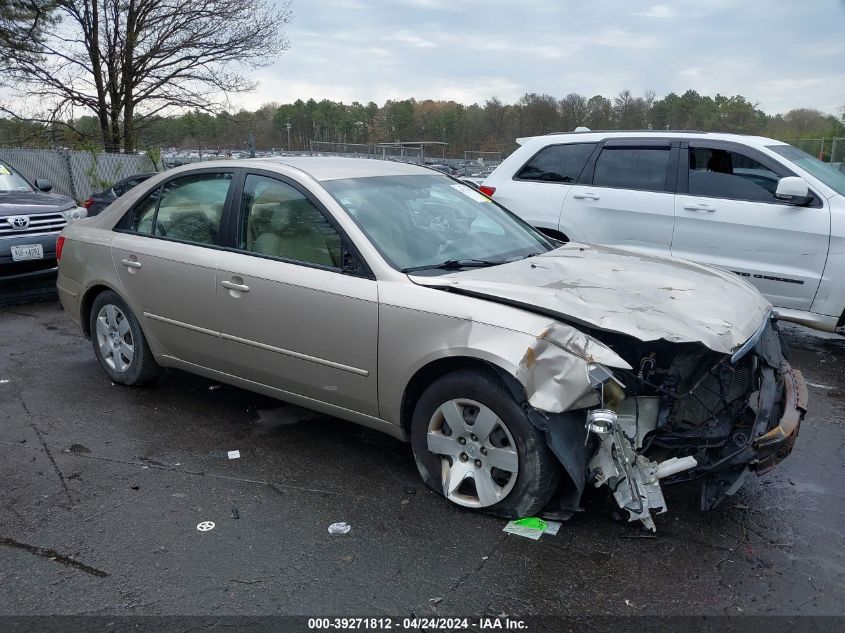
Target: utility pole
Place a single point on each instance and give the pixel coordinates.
(287, 125)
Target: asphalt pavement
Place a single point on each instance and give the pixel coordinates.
(103, 488)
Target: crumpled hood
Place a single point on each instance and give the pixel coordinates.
(32, 202)
(610, 289)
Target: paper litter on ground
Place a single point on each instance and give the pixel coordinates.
(532, 527)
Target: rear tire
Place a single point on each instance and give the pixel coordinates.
(474, 444)
(119, 343)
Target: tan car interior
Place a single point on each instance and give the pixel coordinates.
(281, 222)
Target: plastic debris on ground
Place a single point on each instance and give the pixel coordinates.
(532, 527)
(234, 454)
(205, 526)
(3, 382)
(339, 528)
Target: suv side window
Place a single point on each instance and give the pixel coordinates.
(641, 168)
(557, 163)
(277, 220)
(721, 173)
(187, 209)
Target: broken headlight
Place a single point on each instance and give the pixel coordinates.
(77, 213)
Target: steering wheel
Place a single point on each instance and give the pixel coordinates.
(439, 223)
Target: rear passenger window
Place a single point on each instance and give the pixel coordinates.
(188, 209)
(642, 168)
(720, 173)
(557, 163)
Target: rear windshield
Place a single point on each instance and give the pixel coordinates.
(825, 172)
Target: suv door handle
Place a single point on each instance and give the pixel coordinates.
(587, 195)
(131, 263)
(699, 207)
(230, 285)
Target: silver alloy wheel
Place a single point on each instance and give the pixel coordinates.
(478, 454)
(114, 338)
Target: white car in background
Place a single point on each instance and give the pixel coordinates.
(760, 208)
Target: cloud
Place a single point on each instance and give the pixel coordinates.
(411, 39)
(660, 11)
(469, 50)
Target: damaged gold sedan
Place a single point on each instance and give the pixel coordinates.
(520, 369)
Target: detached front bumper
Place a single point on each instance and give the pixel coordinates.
(777, 442)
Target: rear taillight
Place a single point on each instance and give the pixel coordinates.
(60, 244)
(87, 204)
(487, 191)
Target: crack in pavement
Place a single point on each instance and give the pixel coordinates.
(43, 442)
(276, 487)
(484, 560)
(53, 555)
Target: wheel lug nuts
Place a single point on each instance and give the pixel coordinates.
(483, 451)
(473, 438)
(462, 440)
(464, 457)
(478, 463)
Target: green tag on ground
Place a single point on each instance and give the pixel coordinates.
(532, 523)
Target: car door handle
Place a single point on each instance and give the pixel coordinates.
(699, 207)
(587, 195)
(131, 263)
(231, 285)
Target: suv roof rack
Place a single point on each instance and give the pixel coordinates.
(625, 131)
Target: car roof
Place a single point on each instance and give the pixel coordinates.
(593, 136)
(335, 168)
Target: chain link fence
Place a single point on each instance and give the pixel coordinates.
(483, 158)
(837, 152)
(813, 146)
(74, 173)
(357, 150)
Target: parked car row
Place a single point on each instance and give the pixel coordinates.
(520, 369)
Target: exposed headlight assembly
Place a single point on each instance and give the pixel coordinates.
(74, 214)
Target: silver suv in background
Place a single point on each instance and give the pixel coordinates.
(760, 208)
(30, 220)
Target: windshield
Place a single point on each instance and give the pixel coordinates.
(825, 172)
(10, 181)
(420, 222)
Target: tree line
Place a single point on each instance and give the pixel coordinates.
(491, 126)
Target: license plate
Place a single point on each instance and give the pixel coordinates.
(27, 251)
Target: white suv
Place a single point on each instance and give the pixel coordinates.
(752, 205)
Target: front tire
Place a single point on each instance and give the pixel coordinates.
(474, 444)
(119, 343)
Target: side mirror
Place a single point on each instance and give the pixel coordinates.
(42, 184)
(793, 190)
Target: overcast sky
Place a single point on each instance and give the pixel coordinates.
(780, 53)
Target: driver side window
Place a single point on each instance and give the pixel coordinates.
(720, 173)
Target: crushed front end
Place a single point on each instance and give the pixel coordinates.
(684, 412)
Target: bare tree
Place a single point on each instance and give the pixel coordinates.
(573, 111)
(129, 60)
